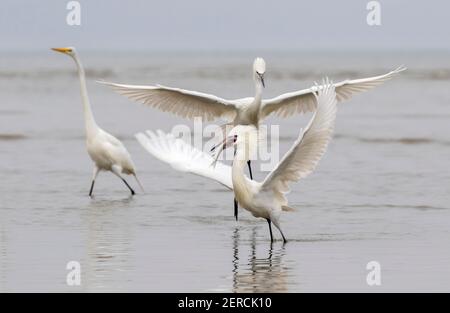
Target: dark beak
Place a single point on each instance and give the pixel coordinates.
(227, 142)
(261, 76)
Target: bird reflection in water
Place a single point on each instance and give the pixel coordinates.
(109, 238)
(257, 274)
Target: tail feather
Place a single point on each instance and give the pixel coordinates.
(288, 208)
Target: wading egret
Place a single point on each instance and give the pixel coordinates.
(245, 111)
(266, 199)
(106, 151)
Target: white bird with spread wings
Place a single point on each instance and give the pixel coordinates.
(245, 111)
(266, 199)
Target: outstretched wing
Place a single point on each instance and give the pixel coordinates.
(183, 103)
(183, 157)
(303, 101)
(306, 152)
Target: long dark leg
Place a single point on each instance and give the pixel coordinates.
(235, 202)
(250, 169)
(282, 235)
(92, 188)
(94, 177)
(277, 225)
(270, 229)
(131, 189)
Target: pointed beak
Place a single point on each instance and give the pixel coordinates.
(62, 50)
(261, 76)
(217, 149)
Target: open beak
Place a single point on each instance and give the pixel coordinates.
(227, 142)
(62, 50)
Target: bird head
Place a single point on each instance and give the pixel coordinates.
(67, 50)
(259, 68)
(244, 138)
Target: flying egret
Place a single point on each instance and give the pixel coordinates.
(245, 111)
(106, 151)
(266, 199)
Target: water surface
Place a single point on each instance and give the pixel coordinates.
(380, 193)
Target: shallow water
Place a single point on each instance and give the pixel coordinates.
(380, 193)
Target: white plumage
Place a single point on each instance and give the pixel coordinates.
(303, 101)
(184, 157)
(259, 65)
(106, 151)
(266, 199)
(245, 111)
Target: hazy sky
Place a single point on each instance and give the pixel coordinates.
(225, 25)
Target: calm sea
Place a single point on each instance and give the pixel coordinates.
(381, 193)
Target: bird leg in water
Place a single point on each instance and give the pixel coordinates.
(92, 188)
(116, 170)
(270, 229)
(235, 202)
(282, 235)
(131, 189)
(250, 169)
(277, 225)
(94, 177)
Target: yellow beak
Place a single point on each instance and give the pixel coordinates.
(62, 50)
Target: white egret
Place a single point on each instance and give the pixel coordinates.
(245, 111)
(106, 151)
(266, 199)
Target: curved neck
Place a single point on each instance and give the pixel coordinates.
(253, 111)
(240, 184)
(258, 90)
(91, 125)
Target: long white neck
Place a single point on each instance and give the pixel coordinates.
(91, 125)
(258, 90)
(240, 185)
(253, 111)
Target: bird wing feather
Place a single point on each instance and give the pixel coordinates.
(303, 101)
(181, 102)
(310, 146)
(184, 157)
(117, 153)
